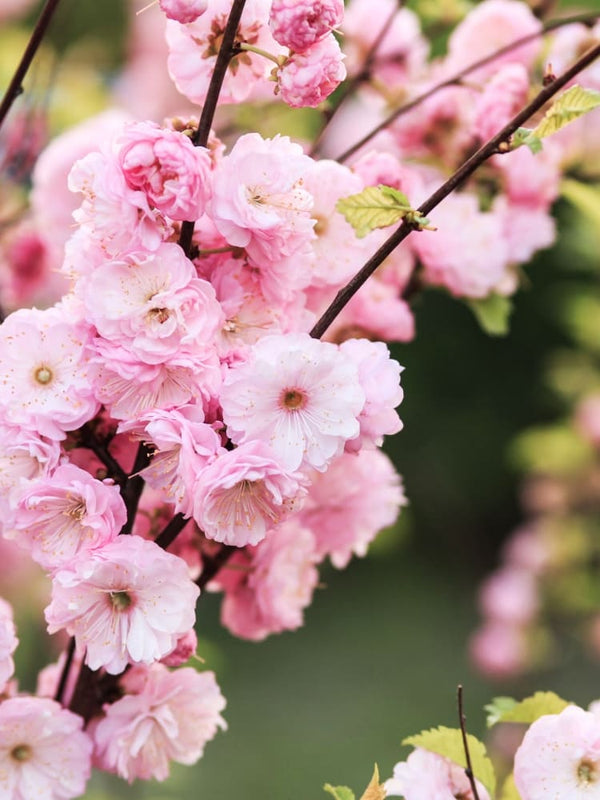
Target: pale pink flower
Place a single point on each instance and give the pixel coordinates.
(379, 376)
(44, 368)
(182, 444)
(184, 649)
(280, 580)
(471, 271)
(510, 595)
(243, 493)
(153, 305)
(567, 44)
(299, 395)
(128, 602)
(14, 8)
(349, 504)
(183, 11)
(527, 228)
(299, 24)
(164, 164)
(67, 514)
(500, 650)
(165, 716)
(528, 179)
(44, 752)
(307, 79)
(503, 95)
(193, 51)
(259, 201)
(8, 643)
(559, 757)
(428, 776)
(489, 26)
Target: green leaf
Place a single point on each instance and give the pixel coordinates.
(448, 742)
(497, 708)
(374, 207)
(374, 790)
(509, 790)
(339, 792)
(524, 136)
(531, 708)
(568, 106)
(492, 313)
(585, 198)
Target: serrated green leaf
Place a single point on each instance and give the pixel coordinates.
(374, 207)
(531, 708)
(525, 136)
(339, 792)
(509, 790)
(374, 790)
(568, 106)
(492, 313)
(496, 709)
(448, 742)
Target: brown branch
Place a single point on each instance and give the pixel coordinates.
(226, 52)
(363, 75)
(15, 87)
(171, 531)
(135, 486)
(211, 566)
(90, 441)
(64, 675)
(489, 149)
(463, 730)
(588, 18)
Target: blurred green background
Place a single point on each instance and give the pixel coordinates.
(384, 644)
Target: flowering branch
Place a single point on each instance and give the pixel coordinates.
(463, 730)
(15, 87)
(454, 80)
(200, 138)
(495, 145)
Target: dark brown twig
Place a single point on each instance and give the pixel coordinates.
(64, 675)
(490, 148)
(210, 566)
(457, 77)
(171, 531)
(135, 486)
(15, 87)
(463, 729)
(226, 52)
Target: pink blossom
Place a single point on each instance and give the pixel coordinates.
(184, 649)
(279, 583)
(128, 602)
(471, 271)
(43, 751)
(500, 650)
(14, 8)
(243, 493)
(510, 595)
(349, 504)
(299, 395)
(165, 716)
(489, 26)
(528, 179)
(504, 95)
(428, 776)
(44, 368)
(559, 757)
(183, 11)
(193, 51)
(67, 514)
(164, 164)
(259, 202)
(299, 24)
(8, 643)
(527, 229)
(307, 79)
(379, 376)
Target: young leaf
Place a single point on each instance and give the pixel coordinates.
(374, 790)
(448, 742)
(374, 207)
(568, 106)
(339, 792)
(492, 313)
(497, 708)
(531, 708)
(524, 136)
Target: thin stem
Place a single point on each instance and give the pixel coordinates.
(15, 87)
(226, 52)
(490, 148)
(250, 48)
(171, 531)
(463, 729)
(64, 675)
(362, 75)
(135, 486)
(100, 450)
(210, 566)
(457, 77)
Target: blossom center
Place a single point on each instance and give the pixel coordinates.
(586, 772)
(293, 399)
(43, 375)
(77, 511)
(121, 600)
(22, 752)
